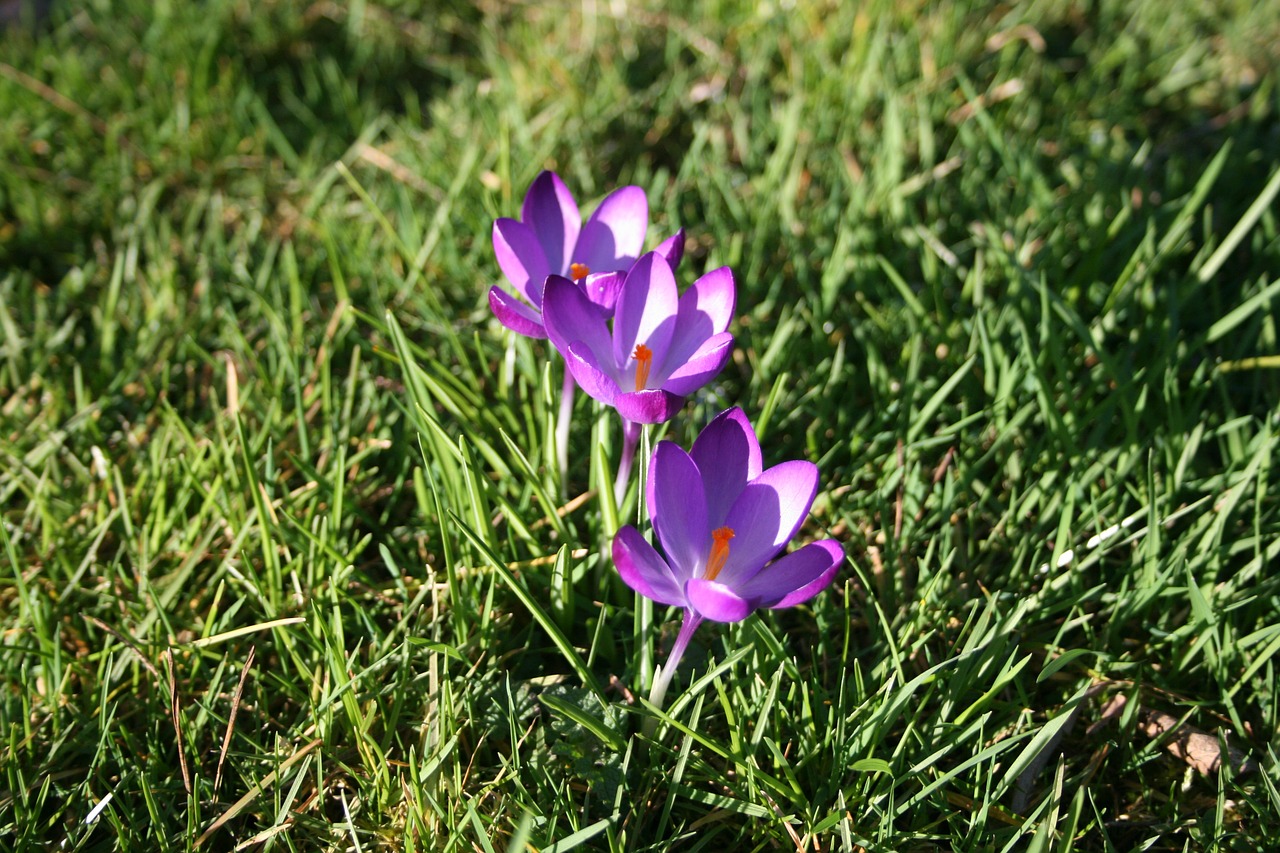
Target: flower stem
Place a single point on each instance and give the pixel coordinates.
(662, 678)
(630, 437)
(562, 429)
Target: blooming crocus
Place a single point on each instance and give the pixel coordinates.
(662, 347)
(722, 521)
(550, 239)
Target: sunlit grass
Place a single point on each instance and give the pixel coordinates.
(286, 558)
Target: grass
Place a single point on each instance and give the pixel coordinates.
(286, 560)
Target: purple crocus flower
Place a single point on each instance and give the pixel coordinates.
(550, 239)
(662, 347)
(721, 521)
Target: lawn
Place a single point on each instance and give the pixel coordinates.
(287, 561)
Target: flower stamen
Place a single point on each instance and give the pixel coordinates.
(579, 271)
(719, 551)
(644, 360)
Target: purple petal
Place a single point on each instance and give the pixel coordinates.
(569, 317)
(713, 296)
(643, 570)
(706, 310)
(552, 214)
(716, 601)
(727, 454)
(678, 509)
(614, 235)
(672, 249)
(582, 363)
(516, 315)
(654, 406)
(602, 289)
(646, 313)
(797, 577)
(766, 515)
(520, 257)
(701, 367)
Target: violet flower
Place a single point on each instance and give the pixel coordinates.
(550, 239)
(721, 521)
(662, 347)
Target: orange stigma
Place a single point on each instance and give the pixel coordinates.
(719, 551)
(644, 360)
(579, 271)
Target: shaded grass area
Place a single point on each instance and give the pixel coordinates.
(287, 561)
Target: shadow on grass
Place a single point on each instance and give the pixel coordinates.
(294, 87)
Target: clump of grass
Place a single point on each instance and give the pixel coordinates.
(285, 562)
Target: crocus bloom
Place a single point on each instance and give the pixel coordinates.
(722, 521)
(550, 239)
(662, 347)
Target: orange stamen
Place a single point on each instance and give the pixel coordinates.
(644, 360)
(719, 551)
(579, 271)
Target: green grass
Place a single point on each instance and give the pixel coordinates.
(286, 562)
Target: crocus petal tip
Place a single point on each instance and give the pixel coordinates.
(516, 315)
(716, 601)
(654, 406)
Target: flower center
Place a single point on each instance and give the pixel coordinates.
(644, 360)
(579, 271)
(719, 551)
